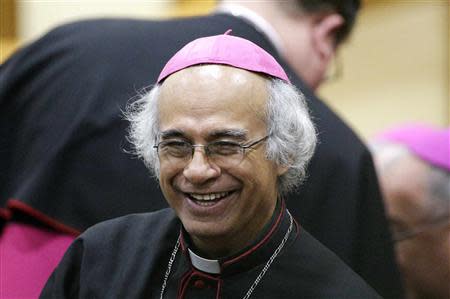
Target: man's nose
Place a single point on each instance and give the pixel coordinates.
(199, 170)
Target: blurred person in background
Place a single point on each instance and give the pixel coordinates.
(413, 164)
(62, 137)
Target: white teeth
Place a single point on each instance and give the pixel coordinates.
(208, 197)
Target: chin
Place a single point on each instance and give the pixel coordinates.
(204, 230)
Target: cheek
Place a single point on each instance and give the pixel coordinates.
(259, 172)
(166, 176)
(165, 189)
(268, 175)
(409, 257)
(401, 255)
(416, 257)
(446, 243)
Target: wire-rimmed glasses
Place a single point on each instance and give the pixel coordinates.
(221, 152)
(402, 235)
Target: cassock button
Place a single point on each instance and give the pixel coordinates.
(199, 284)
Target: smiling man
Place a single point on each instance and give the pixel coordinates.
(223, 200)
(227, 136)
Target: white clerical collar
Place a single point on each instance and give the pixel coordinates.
(256, 20)
(205, 265)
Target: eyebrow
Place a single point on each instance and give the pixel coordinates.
(173, 133)
(240, 134)
(235, 133)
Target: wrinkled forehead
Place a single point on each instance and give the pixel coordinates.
(214, 84)
(214, 92)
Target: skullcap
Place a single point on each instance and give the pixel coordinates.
(431, 144)
(224, 49)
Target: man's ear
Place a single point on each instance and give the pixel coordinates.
(281, 169)
(324, 31)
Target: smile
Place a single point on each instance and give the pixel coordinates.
(207, 199)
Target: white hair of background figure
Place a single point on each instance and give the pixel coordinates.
(292, 135)
(438, 183)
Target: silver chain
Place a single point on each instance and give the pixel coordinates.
(169, 267)
(271, 259)
(258, 278)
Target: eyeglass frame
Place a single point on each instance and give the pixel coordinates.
(243, 147)
(414, 232)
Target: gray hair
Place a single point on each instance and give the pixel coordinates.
(438, 183)
(437, 180)
(292, 135)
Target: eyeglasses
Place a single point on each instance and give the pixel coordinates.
(221, 152)
(399, 236)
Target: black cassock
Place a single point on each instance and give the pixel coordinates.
(63, 147)
(128, 257)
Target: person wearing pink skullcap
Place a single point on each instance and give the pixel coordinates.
(413, 163)
(227, 136)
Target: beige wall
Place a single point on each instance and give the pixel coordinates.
(395, 67)
(36, 17)
(7, 28)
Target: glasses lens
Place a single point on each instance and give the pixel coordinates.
(222, 153)
(175, 149)
(225, 153)
(405, 234)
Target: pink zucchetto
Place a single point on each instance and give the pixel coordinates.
(224, 49)
(429, 143)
